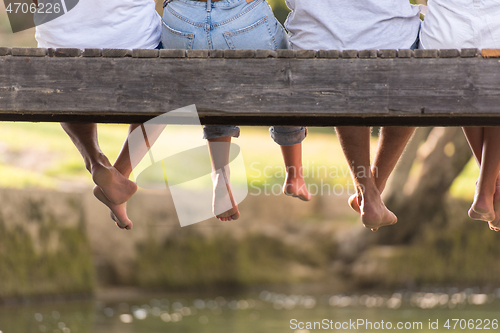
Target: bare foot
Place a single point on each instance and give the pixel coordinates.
(496, 196)
(374, 214)
(296, 187)
(495, 224)
(116, 187)
(353, 202)
(118, 213)
(223, 205)
(482, 209)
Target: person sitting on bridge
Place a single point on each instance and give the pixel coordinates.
(234, 24)
(472, 24)
(104, 24)
(360, 25)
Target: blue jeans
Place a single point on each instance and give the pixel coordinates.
(227, 24)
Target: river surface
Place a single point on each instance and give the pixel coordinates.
(446, 310)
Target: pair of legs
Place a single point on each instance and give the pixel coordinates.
(113, 188)
(219, 151)
(484, 145)
(370, 180)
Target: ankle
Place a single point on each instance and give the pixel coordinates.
(100, 160)
(292, 173)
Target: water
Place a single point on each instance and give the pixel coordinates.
(449, 310)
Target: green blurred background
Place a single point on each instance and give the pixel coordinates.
(57, 242)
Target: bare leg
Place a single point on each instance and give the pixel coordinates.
(113, 187)
(294, 184)
(355, 142)
(475, 136)
(483, 206)
(123, 164)
(219, 151)
(391, 144)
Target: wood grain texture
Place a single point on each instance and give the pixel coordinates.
(428, 53)
(28, 52)
(367, 54)
(197, 53)
(490, 53)
(329, 54)
(387, 53)
(304, 54)
(4, 51)
(216, 53)
(239, 53)
(259, 53)
(173, 53)
(405, 53)
(279, 91)
(92, 53)
(116, 53)
(287, 53)
(449, 53)
(67, 52)
(145, 53)
(469, 53)
(349, 54)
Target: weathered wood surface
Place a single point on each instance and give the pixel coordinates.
(324, 88)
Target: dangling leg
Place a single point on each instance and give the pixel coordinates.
(391, 145)
(224, 205)
(355, 142)
(290, 140)
(114, 188)
(483, 207)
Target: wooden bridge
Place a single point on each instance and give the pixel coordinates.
(253, 87)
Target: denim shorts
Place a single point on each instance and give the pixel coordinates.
(227, 24)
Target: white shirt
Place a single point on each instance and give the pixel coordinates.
(119, 24)
(461, 24)
(352, 24)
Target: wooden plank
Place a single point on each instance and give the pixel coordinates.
(367, 54)
(490, 53)
(469, 53)
(116, 53)
(216, 53)
(387, 54)
(67, 52)
(28, 52)
(92, 53)
(349, 54)
(239, 53)
(145, 53)
(259, 53)
(426, 53)
(283, 91)
(4, 51)
(329, 54)
(197, 53)
(305, 54)
(287, 53)
(173, 53)
(405, 53)
(449, 53)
